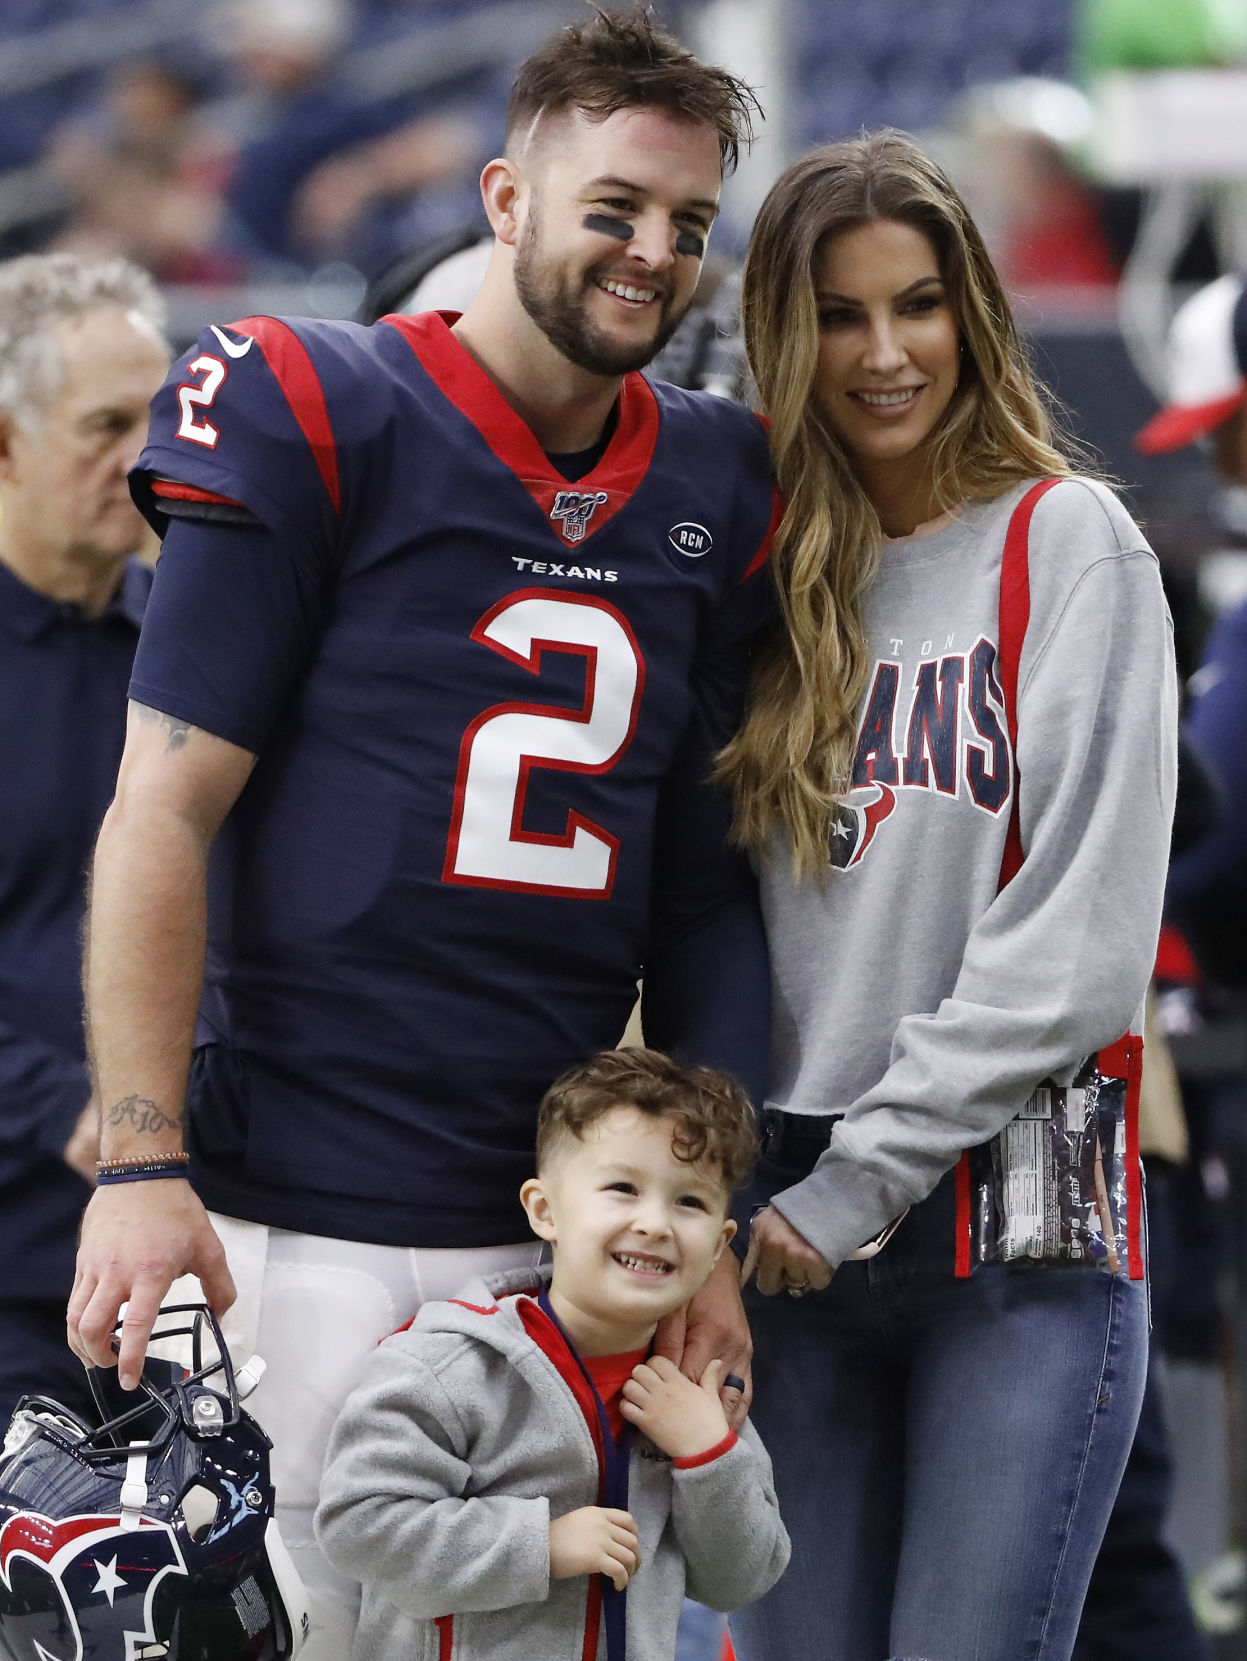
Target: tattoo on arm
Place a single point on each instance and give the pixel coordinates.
(179, 730)
(141, 1114)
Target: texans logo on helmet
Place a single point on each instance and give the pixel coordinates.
(855, 822)
(51, 1573)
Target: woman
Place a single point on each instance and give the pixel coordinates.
(946, 1449)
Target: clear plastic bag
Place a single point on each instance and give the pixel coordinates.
(1052, 1186)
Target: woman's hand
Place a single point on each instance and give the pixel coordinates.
(784, 1260)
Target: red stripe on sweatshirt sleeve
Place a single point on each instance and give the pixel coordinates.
(693, 1460)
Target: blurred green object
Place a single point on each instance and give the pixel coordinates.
(1159, 34)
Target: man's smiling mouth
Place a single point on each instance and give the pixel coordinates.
(627, 291)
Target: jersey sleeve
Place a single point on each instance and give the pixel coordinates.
(748, 602)
(706, 992)
(233, 617)
(243, 419)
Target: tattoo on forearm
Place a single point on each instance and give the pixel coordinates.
(140, 1114)
(179, 731)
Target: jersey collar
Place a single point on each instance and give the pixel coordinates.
(461, 379)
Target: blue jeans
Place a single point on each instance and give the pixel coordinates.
(946, 1451)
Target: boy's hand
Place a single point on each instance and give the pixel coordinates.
(682, 1418)
(595, 1540)
(712, 1326)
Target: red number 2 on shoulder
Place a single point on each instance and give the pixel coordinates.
(202, 396)
(489, 846)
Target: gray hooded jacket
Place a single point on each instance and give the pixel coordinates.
(460, 1444)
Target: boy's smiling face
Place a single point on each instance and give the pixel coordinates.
(635, 1229)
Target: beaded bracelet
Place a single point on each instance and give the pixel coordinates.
(141, 1170)
(127, 1159)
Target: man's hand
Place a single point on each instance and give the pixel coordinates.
(594, 1540)
(83, 1148)
(712, 1327)
(136, 1239)
(680, 1417)
(785, 1261)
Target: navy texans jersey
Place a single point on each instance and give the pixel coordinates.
(466, 680)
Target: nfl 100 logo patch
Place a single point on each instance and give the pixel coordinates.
(575, 508)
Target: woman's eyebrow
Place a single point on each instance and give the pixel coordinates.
(829, 295)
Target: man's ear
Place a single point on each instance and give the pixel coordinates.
(503, 193)
(536, 1203)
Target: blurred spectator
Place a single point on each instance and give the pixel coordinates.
(1207, 384)
(1208, 400)
(318, 159)
(81, 353)
(144, 178)
(1054, 237)
(1040, 214)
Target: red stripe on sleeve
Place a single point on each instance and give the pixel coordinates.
(175, 491)
(693, 1460)
(288, 358)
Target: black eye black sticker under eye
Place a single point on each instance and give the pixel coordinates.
(688, 242)
(606, 226)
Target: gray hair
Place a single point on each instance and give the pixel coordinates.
(38, 290)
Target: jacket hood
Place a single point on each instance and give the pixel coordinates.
(486, 1310)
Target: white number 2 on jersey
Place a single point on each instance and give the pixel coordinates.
(489, 846)
(203, 396)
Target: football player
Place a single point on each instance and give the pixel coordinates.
(450, 620)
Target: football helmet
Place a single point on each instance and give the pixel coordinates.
(150, 1534)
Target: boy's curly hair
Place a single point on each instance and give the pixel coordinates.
(712, 1117)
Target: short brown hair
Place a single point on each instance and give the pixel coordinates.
(712, 1116)
(623, 61)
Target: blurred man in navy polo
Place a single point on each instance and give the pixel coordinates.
(81, 353)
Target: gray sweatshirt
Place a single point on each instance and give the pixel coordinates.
(462, 1441)
(908, 994)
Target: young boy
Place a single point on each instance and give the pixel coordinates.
(512, 1460)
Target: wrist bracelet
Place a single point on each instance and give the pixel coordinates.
(132, 1162)
(142, 1170)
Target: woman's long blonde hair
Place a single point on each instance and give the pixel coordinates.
(793, 757)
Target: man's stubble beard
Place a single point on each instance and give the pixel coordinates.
(546, 295)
